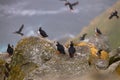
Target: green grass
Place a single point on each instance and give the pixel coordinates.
(110, 28)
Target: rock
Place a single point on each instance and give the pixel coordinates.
(30, 53)
(101, 42)
(34, 58)
(2, 69)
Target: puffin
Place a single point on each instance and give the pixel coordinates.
(19, 32)
(10, 50)
(43, 33)
(114, 14)
(71, 5)
(60, 48)
(97, 31)
(83, 37)
(71, 50)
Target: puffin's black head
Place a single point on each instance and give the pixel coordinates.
(71, 43)
(40, 28)
(9, 45)
(57, 43)
(100, 51)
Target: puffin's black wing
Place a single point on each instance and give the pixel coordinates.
(110, 17)
(21, 28)
(60, 48)
(72, 50)
(75, 3)
(117, 16)
(43, 33)
(83, 36)
(98, 31)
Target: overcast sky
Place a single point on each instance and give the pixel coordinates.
(55, 18)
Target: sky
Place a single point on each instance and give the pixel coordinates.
(55, 18)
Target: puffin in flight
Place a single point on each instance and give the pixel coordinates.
(10, 49)
(71, 5)
(83, 37)
(42, 33)
(20, 30)
(114, 14)
(60, 48)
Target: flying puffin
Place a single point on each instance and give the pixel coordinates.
(20, 30)
(60, 48)
(71, 50)
(114, 14)
(42, 33)
(97, 31)
(71, 5)
(83, 37)
(10, 50)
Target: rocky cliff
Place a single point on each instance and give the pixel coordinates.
(36, 58)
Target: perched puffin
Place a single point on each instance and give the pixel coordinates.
(67, 3)
(114, 14)
(60, 48)
(10, 50)
(97, 31)
(83, 37)
(71, 50)
(43, 33)
(20, 30)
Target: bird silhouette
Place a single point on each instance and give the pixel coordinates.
(99, 52)
(42, 33)
(20, 30)
(67, 3)
(114, 14)
(60, 48)
(83, 37)
(71, 50)
(10, 50)
(97, 31)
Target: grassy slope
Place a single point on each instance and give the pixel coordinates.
(111, 28)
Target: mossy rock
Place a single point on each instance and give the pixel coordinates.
(118, 69)
(28, 53)
(2, 69)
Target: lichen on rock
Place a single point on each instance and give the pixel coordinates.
(30, 53)
(35, 58)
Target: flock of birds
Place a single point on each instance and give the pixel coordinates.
(60, 47)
